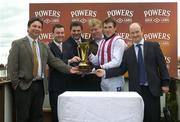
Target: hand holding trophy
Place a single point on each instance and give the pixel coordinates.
(83, 49)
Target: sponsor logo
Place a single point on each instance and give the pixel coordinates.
(158, 35)
(124, 36)
(167, 59)
(121, 15)
(86, 35)
(48, 16)
(163, 38)
(50, 13)
(44, 36)
(82, 15)
(157, 16)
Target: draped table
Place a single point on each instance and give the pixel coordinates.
(100, 107)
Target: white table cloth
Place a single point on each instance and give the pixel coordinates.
(100, 107)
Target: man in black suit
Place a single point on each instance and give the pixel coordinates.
(78, 82)
(152, 70)
(57, 80)
(75, 82)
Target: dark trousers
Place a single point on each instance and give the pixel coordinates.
(53, 98)
(151, 105)
(29, 103)
(84, 83)
(91, 83)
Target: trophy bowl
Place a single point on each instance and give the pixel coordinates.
(83, 49)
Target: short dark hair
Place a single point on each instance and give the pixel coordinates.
(33, 19)
(76, 23)
(108, 20)
(57, 26)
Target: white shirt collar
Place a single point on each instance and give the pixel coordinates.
(58, 44)
(141, 42)
(78, 41)
(31, 39)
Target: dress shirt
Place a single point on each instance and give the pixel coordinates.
(40, 75)
(59, 45)
(136, 51)
(136, 48)
(78, 41)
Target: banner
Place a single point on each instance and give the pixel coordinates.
(159, 21)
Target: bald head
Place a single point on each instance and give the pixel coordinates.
(136, 32)
(135, 25)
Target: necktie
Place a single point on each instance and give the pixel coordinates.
(35, 59)
(141, 66)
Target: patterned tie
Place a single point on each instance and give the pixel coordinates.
(35, 65)
(141, 66)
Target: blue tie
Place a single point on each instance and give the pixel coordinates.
(141, 66)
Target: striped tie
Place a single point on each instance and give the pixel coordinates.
(35, 61)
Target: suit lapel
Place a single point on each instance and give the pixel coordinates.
(28, 47)
(133, 53)
(56, 49)
(145, 51)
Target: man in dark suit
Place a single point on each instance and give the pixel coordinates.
(57, 80)
(78, 82)
(26, 69)
(75, 82)
(148, 78)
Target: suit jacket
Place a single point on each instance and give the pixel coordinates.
(155, 66)
(20, 63)
(57, 80)
(77, 82)
(72, 43)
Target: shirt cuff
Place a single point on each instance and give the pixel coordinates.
(104, 75)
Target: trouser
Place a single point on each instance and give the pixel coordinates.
(29, 103)
(151, 105)
(53, 98)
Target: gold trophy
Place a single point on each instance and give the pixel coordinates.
(83, 49)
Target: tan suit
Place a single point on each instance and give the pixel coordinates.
(20, 63)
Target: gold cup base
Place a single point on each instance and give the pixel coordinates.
(85, 68)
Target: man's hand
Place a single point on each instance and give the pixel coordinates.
(165, 89)
(74, 70)
(100, 72)
(75, 59)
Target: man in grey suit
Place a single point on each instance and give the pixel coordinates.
(26, 69)
(148, 74)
